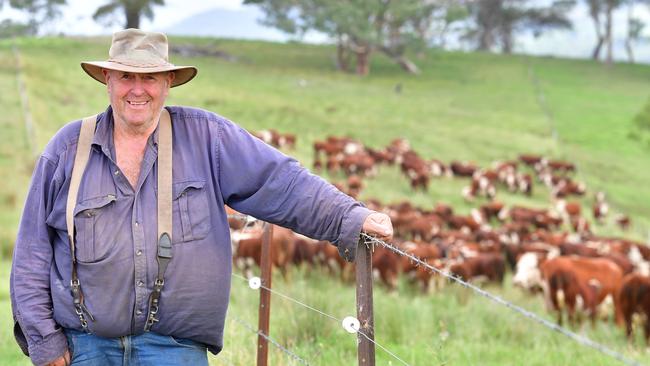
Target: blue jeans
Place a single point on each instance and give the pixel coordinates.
(144, 349)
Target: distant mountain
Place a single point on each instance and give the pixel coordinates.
(240, 24)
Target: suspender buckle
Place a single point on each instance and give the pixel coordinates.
(79, 307)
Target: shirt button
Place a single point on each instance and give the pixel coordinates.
(140, 283)
(137, 224)
(117, 172)
(139, 312)
(139, 252)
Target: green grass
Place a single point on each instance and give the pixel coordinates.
(451, 327)
(478, 107)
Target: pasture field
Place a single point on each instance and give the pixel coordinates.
(477, 107)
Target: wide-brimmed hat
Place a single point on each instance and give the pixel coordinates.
(133, 50)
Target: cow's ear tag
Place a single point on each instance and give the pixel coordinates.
(351, 324)
(255, 283)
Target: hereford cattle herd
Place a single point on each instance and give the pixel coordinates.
(552, 251)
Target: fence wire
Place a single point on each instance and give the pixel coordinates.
(332, 317)
(273, 341)
(369, 240)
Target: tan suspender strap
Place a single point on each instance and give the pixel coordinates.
(164, 214)
(165, 175)
(80, 160)
(81, 157)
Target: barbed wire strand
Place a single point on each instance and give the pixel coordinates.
(325, 315)
(274, 342)
(291, 299)
(576, 337)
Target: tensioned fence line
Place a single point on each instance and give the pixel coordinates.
(550, 118)
(273, 341)
(332, 317)
(576, 337)
(24, 101)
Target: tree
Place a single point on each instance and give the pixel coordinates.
(496, 22)
(133, 11)
(634, 30)
(359, 27)
(599, 10)
(595, 11)
(435, 28)
(39, 12)
(9, 28)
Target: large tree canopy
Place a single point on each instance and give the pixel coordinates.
(133, 10)
(360, 27)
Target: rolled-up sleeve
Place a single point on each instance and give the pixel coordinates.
(30, 274)
(258, 180)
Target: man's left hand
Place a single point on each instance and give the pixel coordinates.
(378, 224)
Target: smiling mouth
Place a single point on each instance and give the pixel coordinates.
(137, 103)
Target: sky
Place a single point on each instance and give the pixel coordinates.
(575, 43)
(77, 15)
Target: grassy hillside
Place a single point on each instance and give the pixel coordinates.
(477, 107)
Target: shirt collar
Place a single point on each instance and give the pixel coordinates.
(104, 132)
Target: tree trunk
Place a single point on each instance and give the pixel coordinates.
(397, 55)
(595, 55)
(132, 18)
(363, 61)
(630, 51)
(629, 40)
(506, 40)
(595, 16)
(608, 33)
(489, 14)
(485, 40)
(342, 56)
(407, 65)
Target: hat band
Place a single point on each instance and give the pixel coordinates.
(140, 64)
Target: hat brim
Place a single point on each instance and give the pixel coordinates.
(183, 73)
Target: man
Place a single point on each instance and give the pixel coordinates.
(97, 310)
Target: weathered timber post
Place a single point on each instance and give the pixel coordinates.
(366, 346)
(265, 296)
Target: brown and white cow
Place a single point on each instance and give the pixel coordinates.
(249, 249)
(634, 298)
(488, 266)
(600, 208)
(577, 282)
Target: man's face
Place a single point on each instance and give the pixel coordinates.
(137, 98)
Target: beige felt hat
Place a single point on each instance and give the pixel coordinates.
(133, 50)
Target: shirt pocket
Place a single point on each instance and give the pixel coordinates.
(86, 216)
(190, 208)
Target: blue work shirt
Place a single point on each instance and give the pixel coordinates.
(215, 162)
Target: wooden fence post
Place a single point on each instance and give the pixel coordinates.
(265, 296)
(366, 346)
